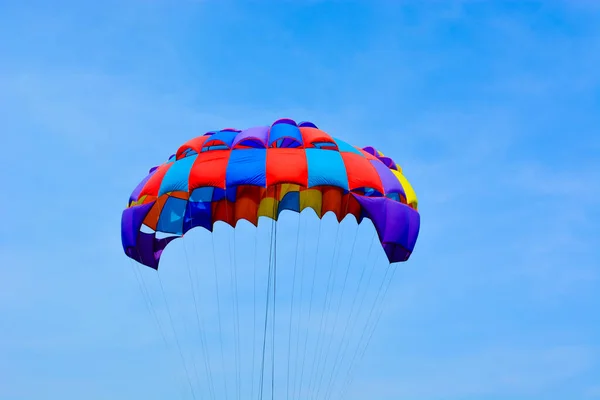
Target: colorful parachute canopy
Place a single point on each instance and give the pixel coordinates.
(230, 175)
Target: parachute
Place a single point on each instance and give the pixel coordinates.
(233, 175)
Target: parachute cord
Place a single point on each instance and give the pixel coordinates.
(148, 301)
(378, 302)
(274, 305)
(300, 307)
(193, 353)
(219, 311)
(352, 319)
(200, 330)
(312, 290)
(292, 308)
(254, 312)
(337, 313)
(237, 318)
(375, 324)
(335, 360)
(234, 303)
(262, 373)
(327, 303)
(187, 373)
(318, 348)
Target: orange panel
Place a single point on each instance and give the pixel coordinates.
(151, 219)
(332, 201)
(246, 203)
(223, 210)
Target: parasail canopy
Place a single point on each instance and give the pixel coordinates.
(229, 175)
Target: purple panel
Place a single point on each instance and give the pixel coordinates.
(391, 184)
(370, 150)
(307, 124)
(131, 222)
(148, 249)
(388, 162)
(259, 133)
(397, 225)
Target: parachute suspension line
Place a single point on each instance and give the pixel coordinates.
(262, 372)
(376, 303)
(254, 312)
(312, 291)
(219, 310)
(274, 305)
(352, 319)
(302, 269)
(187, 373)
(321, 333)
(378, 318)
(234, 304)
(335, 325)
(292, 307)
(148, 300)
(201, 333)
(337, 313)
(337, 250)
(193, 353)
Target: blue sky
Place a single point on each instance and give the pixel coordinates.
(492, 108)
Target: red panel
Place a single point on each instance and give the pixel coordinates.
(310, 135)
(287, 166)
(153, 185)
(361, 172)
(195, 144)
(332, 201)
(352, 206)
(209, 169)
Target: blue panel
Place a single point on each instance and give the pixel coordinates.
(219, 194)
(202, 194)
(223, 137)
(291, 201)
(247, 167)
(171, 217)
(280, 131)
(198, 214)
(326, 167)
(207, 194)
(177, 177)
(348, 148)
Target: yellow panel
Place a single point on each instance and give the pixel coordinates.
(411, 196)
(286, 188)
(312, 198)
(268, 207)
